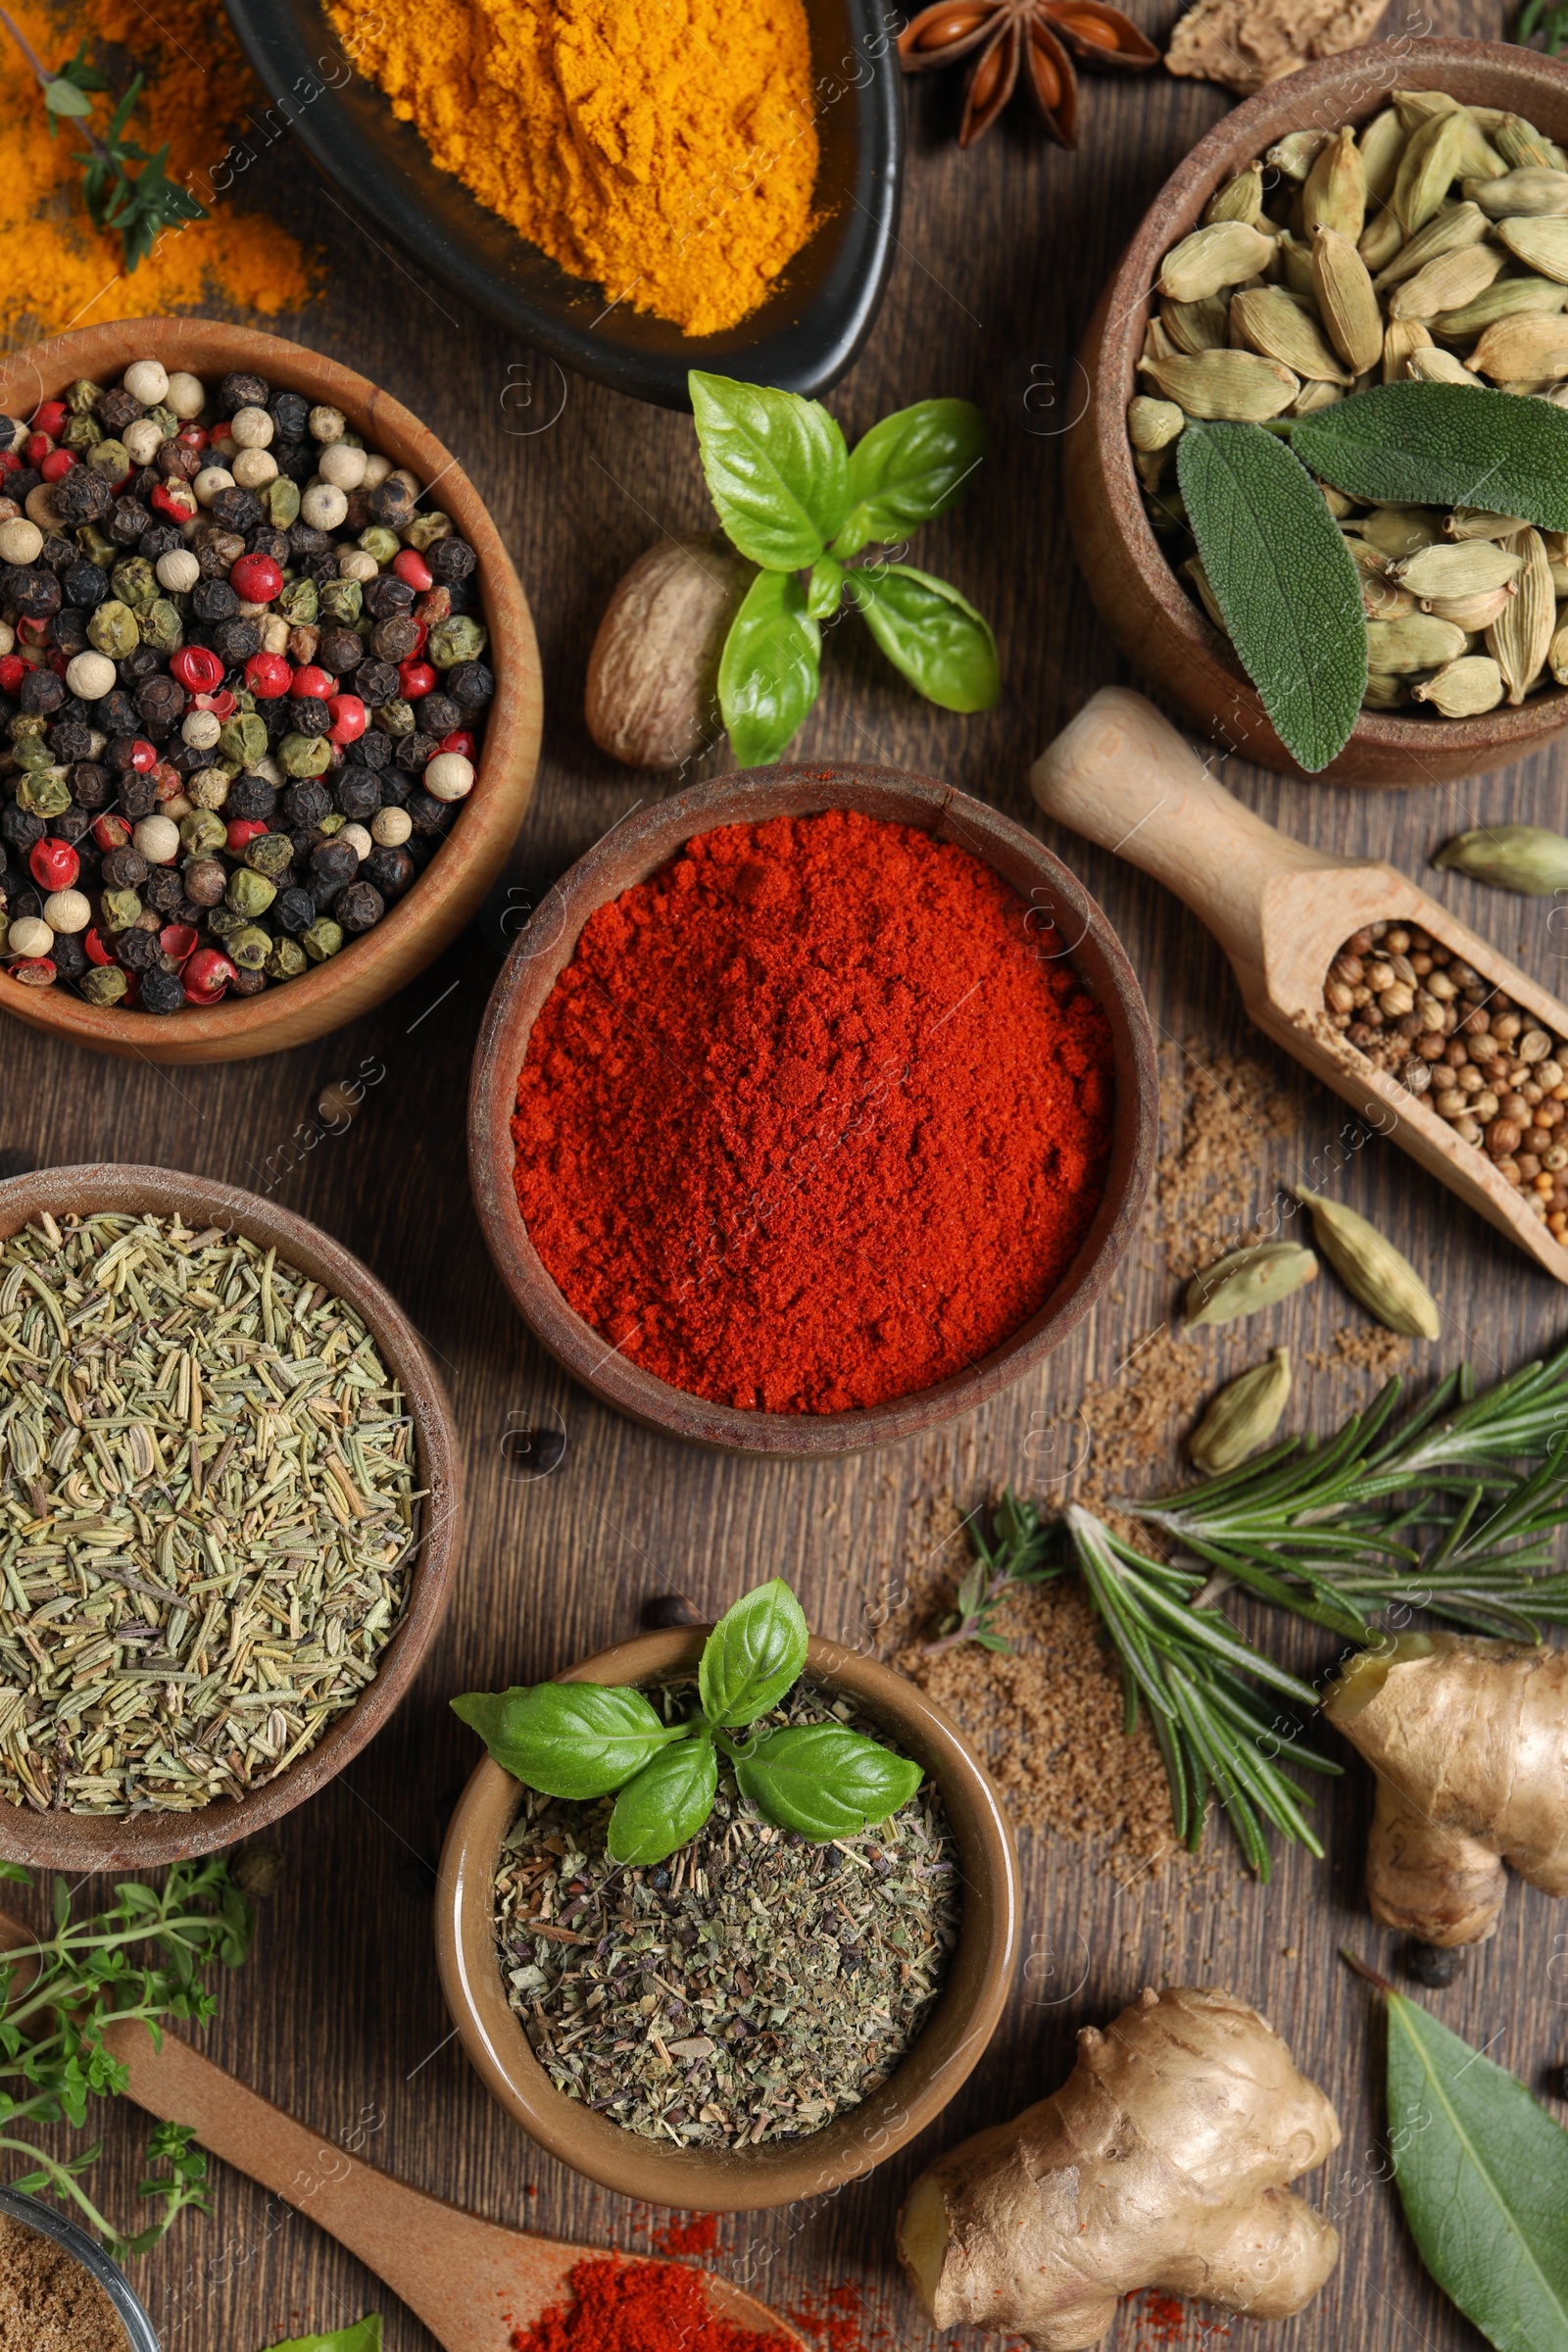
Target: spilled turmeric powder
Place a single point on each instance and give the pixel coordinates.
(60, 272)
(664, 149)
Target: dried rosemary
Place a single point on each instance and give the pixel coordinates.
(208, 1513)
(751, 1987)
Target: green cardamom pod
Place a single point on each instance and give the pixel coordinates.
(1533, 343)
(1259, 1275)
(1384, 692)
(1197, 325)
(1463, 570)
(1371, 1269)
(1297, 153)
(1399, 530)
(1243, 1417)
(1429, 165)
(1434, 367)
(1343, 286)
(1520, 639)
(1541, 245)
(1481, 523)
(1505, 298)
(1445, 232)
(1269, 321)
(1531, 194)
(1240, 199)
(1335, 194)
(1151, 425)
(1234, 387)
(1416, 641)
(1463, 689)
(1221, 255)
(1527, 859)
(1382, 144)
(1447, 283)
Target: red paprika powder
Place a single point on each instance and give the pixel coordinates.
(816, 1116)
(638, 2307)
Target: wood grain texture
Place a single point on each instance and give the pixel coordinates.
(339, 2017)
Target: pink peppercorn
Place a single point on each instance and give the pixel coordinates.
(408, 564)
(256, 578)
(268, 675)
(207, 975)
(347, 714)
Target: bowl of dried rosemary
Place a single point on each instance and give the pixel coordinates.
(1376, 246)
(766, 2013)
(231, 1502)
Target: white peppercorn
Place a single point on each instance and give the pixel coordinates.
(391, 827)
(147, 381)
(157, 837)
(184, 396)
(343, 465)
(29, 935)
(91, 676)
(143, 440)
(449, 776)
(178, 571)
(67, 910)
(20, 541)
(209, 483)
(251, 429)
(324, 507)
(201, 729)
(254, 469)
(327, 424)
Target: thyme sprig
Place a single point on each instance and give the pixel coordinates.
(60, 1995)
(1015, 1551)
(135, 206)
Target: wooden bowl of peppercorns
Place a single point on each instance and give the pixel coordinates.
(211, 845)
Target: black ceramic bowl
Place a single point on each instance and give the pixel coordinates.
(803, 338)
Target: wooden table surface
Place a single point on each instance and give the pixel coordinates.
(339, 2016)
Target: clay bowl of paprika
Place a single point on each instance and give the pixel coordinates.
(59, 1839)
(724, 2180)
(833, 1127)
(446, 895)
(1167, 637)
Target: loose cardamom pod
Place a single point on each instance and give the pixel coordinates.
(1153, 424)
(1447, 283)
(1505, 298)
(1381, 239)
(1294, 263)
(1429, 167)
(1297, 153)
(1371, 1269)
(1415, 107)
(1399, 530)
(1335, 194)
(1382, 143)
(1534, 343)
(1268, 319)
(1221, 255)
(1534, 194)
(1244, 1280)
(1527, 859)
(1523, 148)
(1460, 226)
(1384, 693)
(1417, 640)
(1240, 199)
(1458, 568)
(1236, 387)
(1243, 1417)
(1312, 397)
(1342, 285)
(1471, 613)
(1520, 638)
(1430, 366)
(1462, 689)
(1557, 655)
(1197, 325)
(1541, 245)
(1158, 344)
(1402, 337)
(1480, 522)
(1194, 569)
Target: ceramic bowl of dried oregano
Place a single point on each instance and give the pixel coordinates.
(1518, 102)
(763, 2019)
(231, 1508)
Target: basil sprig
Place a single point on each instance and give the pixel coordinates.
(797, 501)
(584, 1740)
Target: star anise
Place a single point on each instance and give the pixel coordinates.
(1040, 36)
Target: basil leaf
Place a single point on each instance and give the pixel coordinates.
(754, 1654)
(931, 634)
(824, 588)
(770, 669)
(1443, 445)
(1483, 2174)
(569, 1739)
(824, 1781)
(1284, 580)
(366, 2336)
(909, 469)
(776, 465)
(666, 1805)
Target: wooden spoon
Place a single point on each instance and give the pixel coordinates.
(470, 2282)
(1123, 776)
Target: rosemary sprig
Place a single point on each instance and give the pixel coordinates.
(133, 206)
(59, 1995)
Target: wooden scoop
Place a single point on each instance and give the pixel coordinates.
(1122, 775)
(470, 2282)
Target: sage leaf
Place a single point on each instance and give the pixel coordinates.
(364, 2336)
(777, 468)
(1483, 2174)
(770, 668)
(1283, 579)
(569, 1739)
(1443, 445)
(932, 635)
(666, 1805)
(909, 469)
(754, 1654)
(824, 1781)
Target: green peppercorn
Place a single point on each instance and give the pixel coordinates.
(96, 547)
(287, 962)
(103, 984)
(161, 626)
(323, 938)
(44, 792)
(166, 422)
(458, 638)
(121, 908)
(396, 718)
(25, 725)
(303, 756)
(209, 788)
(201, 832)
(242, 740)
(281, 502)
(297, 604)
(113, 629)
(425, 530)
(379, 542)
(249, 946)
(269, 853)
(135, 583)
(82, 433)
(333, 822)
(340, 602)
(250, 892)
(83, 394)
(111, 456)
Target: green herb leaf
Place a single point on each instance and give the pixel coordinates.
(909, 469)
(824, 1781)
(932, 635)
(824, 588)
(776, 465)
(1440, 445)
(569, 1739)
(770, 669)
(667, 1804)
(63, 97)
(1483, 2174)
(754, 1654)
(1284, 580)
(364, 2336)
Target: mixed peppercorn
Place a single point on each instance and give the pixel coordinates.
(242, 688)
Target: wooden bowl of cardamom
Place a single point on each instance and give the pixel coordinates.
(1132, 570)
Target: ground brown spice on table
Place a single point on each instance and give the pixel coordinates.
(1221, 1121)
(48, 2302)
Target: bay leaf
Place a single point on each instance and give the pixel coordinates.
(1483, 2174)
(1443, 445)
(1283, 579)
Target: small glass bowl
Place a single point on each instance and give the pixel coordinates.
(140, 2334)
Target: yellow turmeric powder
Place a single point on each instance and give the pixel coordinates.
(60, 272)
(663, 148)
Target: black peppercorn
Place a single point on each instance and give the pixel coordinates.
(116, 409)
(91, 786)
(124, 868)
(135, 666)
(470, 684)
(295, 460)
(58, 553)
(357, 792)
(126, 520)
(25, 901)
(305, 540)
(247, 983)
(68, 631)
(160, 700)
(427, 814)
(70, 824)
(218, 552)
(85, 584)
(34, 594)
(136, 950)
(138, 796)
(264, 540)
(70, 739)
(463, 596)
(119, 755)
(395, 639)
(205, 879)
(178, 464)
(293, 911)
(439, 713)
(214, 600)
(376, 682)
(415, 752)
(396, 783)
(19, 829)
(392, 503)
(160, 539)
(240, 389)
(82, 496)
(1433, 1964)
(117, 712)
(358, 907)
(334, 863)
(250, 797)
(340, 650)
(290, 413)
(163, 992)
(42, 692)
(386, 596)
(450, 560)
(185, 760)
(237, 640)
(306, 801)
(391, 871)
(69, 956)
(236, 510)
(310, 715)
(277, 714)
(163, 889)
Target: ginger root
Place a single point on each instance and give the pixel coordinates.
(1469, 1741)
(1161, 2162)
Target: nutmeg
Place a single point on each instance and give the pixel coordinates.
(651, 699)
